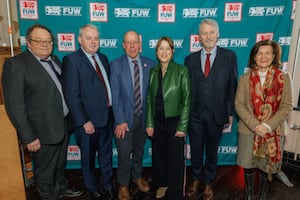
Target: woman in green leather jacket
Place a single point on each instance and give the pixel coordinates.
(168, 107)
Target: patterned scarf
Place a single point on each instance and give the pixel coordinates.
(265, 101)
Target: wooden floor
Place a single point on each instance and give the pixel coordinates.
(228, 185)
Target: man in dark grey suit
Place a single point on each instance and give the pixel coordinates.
(35, 104)
(129, 115)
(213, 72)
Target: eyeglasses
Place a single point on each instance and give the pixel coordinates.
(41, 42)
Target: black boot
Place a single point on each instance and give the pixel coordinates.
(264, 186)
(249, 175)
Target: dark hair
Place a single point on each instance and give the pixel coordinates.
(167, 39)
(276, 51)
(30, 29)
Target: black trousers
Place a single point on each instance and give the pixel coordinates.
(49, 166)
(205, 135)
(168, 158)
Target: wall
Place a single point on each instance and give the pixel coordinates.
(242, 24)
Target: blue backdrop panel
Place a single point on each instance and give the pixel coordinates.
(242, 23)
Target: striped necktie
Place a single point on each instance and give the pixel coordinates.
(137, 89)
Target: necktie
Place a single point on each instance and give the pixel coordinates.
(101, 78)
(53, 69)
(137, 88)
(207, 65)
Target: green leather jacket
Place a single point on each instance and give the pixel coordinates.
(176, 93)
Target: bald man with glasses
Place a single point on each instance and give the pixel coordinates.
(36, 106)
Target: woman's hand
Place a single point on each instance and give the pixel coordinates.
(261, 130)
(179, 134)
(150, 131)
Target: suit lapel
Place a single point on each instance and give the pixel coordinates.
(127, 73)
(40, 68)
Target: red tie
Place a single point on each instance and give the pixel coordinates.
(207, 65)
(101, 78)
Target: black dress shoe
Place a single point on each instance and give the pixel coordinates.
(70, 192)
(106, 194)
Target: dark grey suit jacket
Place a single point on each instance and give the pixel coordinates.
(32, 100)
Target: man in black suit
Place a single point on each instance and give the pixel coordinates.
(35, 104)
(87, 91)
(213, 72)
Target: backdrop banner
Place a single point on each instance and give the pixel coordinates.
(242, 23)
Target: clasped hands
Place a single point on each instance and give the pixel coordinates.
(261, 130)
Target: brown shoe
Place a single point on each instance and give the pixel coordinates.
(142, 184)
(208, 192)
(123, 193)
(193, 189)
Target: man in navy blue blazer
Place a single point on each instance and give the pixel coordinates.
(130, 129)
(87, 92)
(213, 72)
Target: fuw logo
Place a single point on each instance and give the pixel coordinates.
(71, 11)
(28, 10)
(194, 43)
(272, 11)
(53, 10)
(152, 43)
(238, 42)
(98, 12)
(140, 12)
(63, 10)
(132, 12)
(178, 43)
(233, 12)
(66, 42)
(108, 43)
(264, 36)
(265, 11)
(166, 12)
(199, 12)
(227, 150)
(284, 41)
(73, 152)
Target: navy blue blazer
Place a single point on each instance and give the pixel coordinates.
(122, 89)
(223, 82)
(83, 90)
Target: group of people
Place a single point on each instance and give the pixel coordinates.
(133, 97)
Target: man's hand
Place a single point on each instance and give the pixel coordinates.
(89, 128)
(121, 130)
(34, 146)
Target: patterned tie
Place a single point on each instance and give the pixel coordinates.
(101, 79)
(207, 65)
(137, 88)
(53, 69)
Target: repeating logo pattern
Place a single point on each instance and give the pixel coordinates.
(241, 26)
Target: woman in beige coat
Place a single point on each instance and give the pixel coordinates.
(263, 102)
